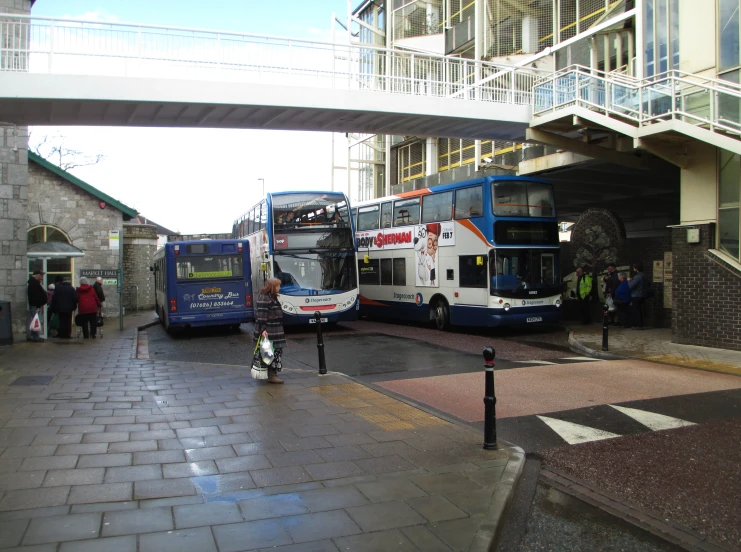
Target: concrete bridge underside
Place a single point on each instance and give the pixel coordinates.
(75, 100)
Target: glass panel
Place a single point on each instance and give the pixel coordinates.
(34, 265)
(386, 272)
(310, 208)
(332, 238)
(263, 215)
(674, 32)
(400, 272)
(515, 270)
(59, 265)
(540, 200)
(728, 231)
(730, 178)
(649, 51)
(662, 21)
(469, 202)
(54, 235)
(211, 267)
(510, 199)
(521, 232)
(729, 107)
(368, 272)
(368, 217)
(437, 207)
(472, 271)
(729, 34)
(386, 215)
(314, 271)
(36, 235)
(406, 211)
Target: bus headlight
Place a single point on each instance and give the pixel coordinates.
(506, 307)
(558, 302)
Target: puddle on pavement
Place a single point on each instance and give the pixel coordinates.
(217, 488)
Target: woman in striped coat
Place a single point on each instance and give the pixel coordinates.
(269, 323)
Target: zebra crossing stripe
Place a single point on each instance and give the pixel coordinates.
(574, 434)
(655, 422)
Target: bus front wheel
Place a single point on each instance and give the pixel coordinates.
(441, 315)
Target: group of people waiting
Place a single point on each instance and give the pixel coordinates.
(63, 301)
(627, 295)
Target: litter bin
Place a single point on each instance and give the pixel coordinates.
(6, 324)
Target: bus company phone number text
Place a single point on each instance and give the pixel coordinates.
(212, 304)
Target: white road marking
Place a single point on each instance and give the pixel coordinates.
(574, 434)
(582, 358)
(533, 362)
(655, 422)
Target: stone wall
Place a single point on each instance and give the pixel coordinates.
(56, 202)
(706, 302)
(139, 243)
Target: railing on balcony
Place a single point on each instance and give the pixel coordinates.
(711, 104)
(61, 46)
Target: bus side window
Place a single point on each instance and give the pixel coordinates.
(437, 207)
(469, 203)
(368, 217)
(386, 215)
(406, 212)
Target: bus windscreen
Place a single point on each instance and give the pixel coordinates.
(209, 267)
(314, 271)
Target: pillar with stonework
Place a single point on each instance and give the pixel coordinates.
(13, 200)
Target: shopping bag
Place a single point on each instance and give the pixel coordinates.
(259, 370)
(54, 324)
(610, 304)
(35, 323)
(267, 352)
(99, 321)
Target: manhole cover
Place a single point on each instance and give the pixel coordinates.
(68, 396)
(33, 380)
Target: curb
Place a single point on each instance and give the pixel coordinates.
(579, 347)
(138, 329)
(666, 530)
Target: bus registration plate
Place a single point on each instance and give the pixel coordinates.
(534, 319)
(313, 320)
(211, 290)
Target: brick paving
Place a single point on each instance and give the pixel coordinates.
(119, 454)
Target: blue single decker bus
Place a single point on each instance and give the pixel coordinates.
(203, 283)
(482, 252)
(305, 239)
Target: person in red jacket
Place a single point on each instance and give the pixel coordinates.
(87, 308)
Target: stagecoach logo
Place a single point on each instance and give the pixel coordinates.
(281, 241)
(323, 299)
(418, 299)
(533, 302)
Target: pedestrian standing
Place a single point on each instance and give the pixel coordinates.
(98, 286)
(269, 323)
(583, 294)
(611, 285)
(638, 293)
(36, 301)
(622, 300)
(49, 314)
(88, 305)
(63, 305)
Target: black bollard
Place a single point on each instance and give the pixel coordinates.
(320, 343)
(490, 401)
(605, 325)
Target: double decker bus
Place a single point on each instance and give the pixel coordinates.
(483, 252)
(203, 283)
(305, 239)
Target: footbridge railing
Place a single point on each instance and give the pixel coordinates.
(75, 47)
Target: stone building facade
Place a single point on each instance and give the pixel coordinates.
(85, 216)
(139, 243)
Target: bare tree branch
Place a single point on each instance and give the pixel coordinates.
(53, 148)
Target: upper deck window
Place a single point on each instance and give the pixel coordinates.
(368, 217)
(469, 202)
(522, 199)
(437, 207)
(302, 209)
(406, 212)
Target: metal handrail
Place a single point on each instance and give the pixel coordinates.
(84, 47)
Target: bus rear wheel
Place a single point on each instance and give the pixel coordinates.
(441, 315)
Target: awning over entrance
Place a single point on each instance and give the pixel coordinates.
(54, 250)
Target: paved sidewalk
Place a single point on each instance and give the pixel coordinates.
(654, 344)
(117, 454)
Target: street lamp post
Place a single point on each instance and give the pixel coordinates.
(263, 186)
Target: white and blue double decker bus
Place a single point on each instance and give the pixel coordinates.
(203, 283)
(483, 252)
(305, 239)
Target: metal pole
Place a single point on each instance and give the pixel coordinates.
(120, 280)
(605, 312)
(320, 343)
(490, 401)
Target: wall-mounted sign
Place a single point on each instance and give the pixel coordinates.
(668, 277)
(96, 272)
(658, 272)
(113, 239)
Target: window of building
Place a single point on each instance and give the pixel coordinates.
(386, 271)
(661, 45)
(469, 202)
(368, 272)
(411, 162)
(400, 272)
(368, 217)
(728, 203)
(406, 211)
(472, 271)
(729, 28)
(55, 268)
(437, 207)
(386, 215)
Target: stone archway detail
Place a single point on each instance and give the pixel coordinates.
(598, 238)
(45, 217)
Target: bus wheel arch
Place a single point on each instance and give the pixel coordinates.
(440, 312)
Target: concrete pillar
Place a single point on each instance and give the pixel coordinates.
(13, 204)
(139, 244)
(431, 157)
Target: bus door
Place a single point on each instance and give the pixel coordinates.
(473, 280)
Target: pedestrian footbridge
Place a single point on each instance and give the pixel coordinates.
(69, 72)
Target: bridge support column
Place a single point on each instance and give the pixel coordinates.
(14, 201)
